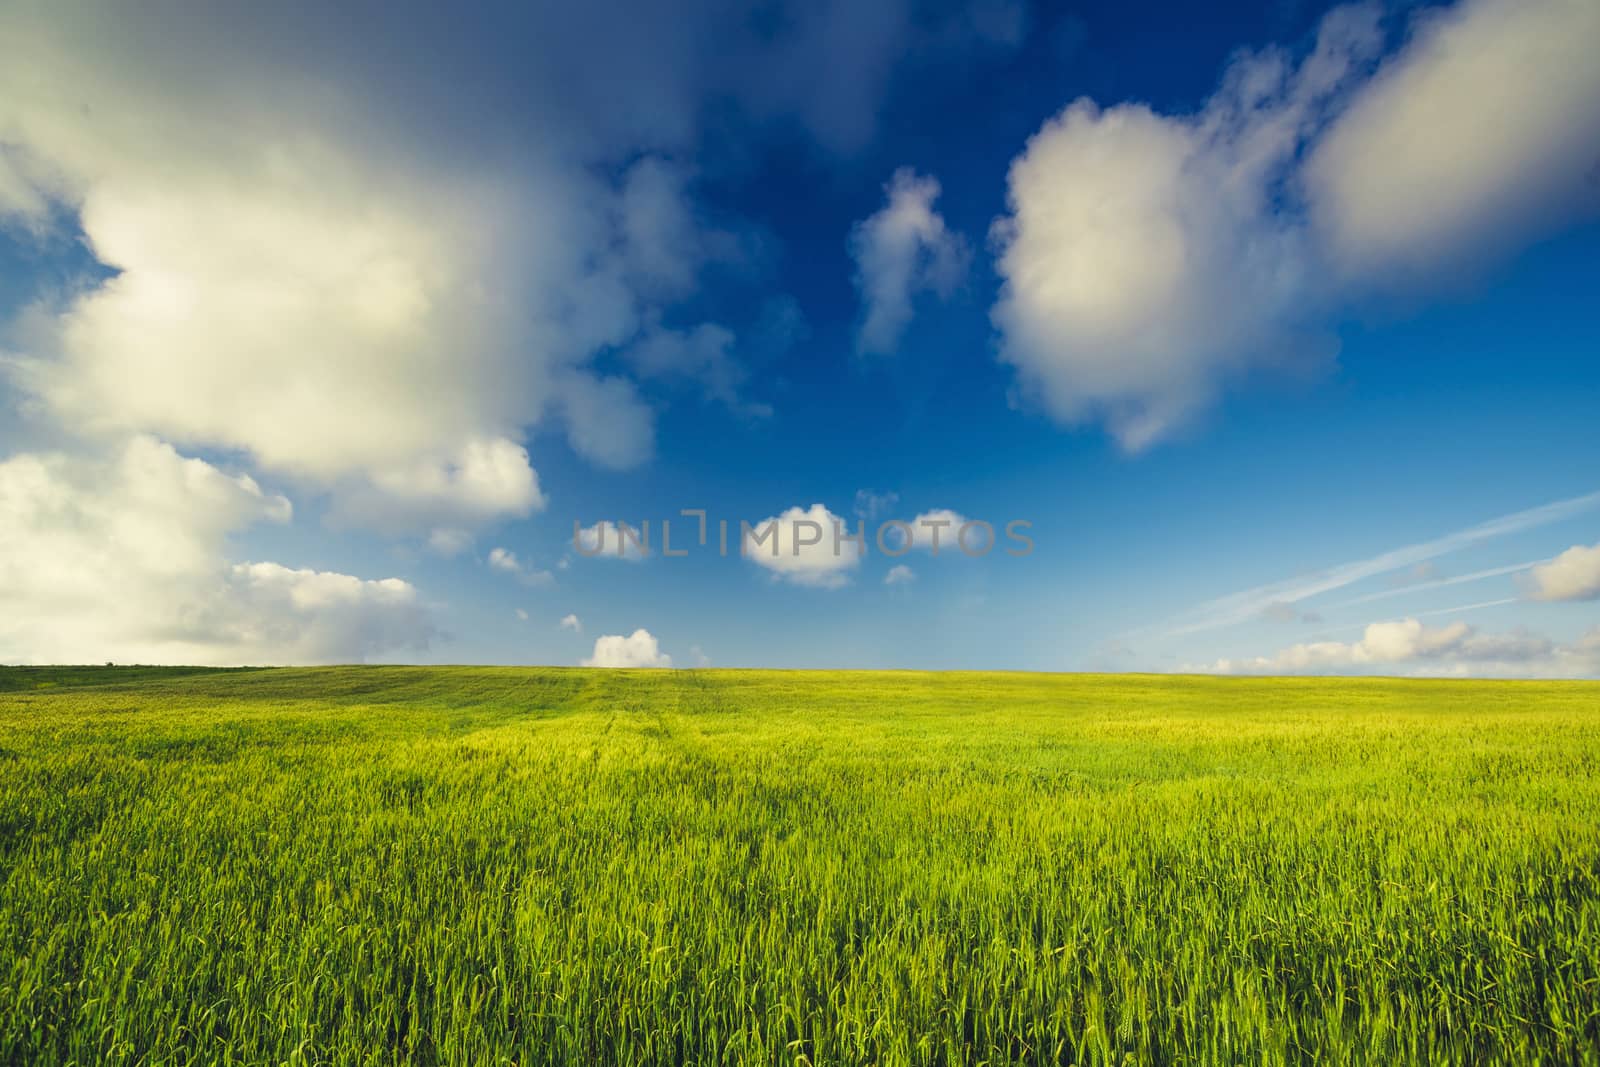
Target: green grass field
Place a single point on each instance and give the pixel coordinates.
(494, 866)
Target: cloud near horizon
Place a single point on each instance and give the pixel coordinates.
(1408, 646)
(124, 559)
(638, 649)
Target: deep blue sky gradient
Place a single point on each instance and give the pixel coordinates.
(1441, 410)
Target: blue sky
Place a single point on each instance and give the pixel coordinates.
(321, 332)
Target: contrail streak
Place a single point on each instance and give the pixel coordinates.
(1248, 603)
(1493, 572)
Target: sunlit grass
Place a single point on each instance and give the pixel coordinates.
(481, 866)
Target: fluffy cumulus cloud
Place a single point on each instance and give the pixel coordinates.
(484, 480)
(573, 623)
(638, 649)
(939, 532)
(284, 615)
(506, 561)
(1479, 134)
(1573, 575)
(273, 290)
(289, 278)
(805, 546)
(900, 251)
(900, 574)
(610, 540)
(373, 290)
(1148, 258)
(124, 559)
(376, 287)
(1143, 258)
(1408, 646)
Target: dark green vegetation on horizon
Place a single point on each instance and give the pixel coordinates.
(22, 679)
(534, 866)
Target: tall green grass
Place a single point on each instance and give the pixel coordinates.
(498, 866)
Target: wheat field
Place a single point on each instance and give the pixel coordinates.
(375, 865)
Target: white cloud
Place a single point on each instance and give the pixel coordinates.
(938, 531)
(1481, 133)
(1411, 647)
(304, 616)
(900, 251)
(607, 540)
(799, 546)
(368, 286)
(21, 201)
(638, 649)
(318, 312)
(1573, 575)
(899, 574)
(341, 271)
(503, 559)
(522, 615)
(304, 277)
(449, 541)
(702, 353)
(608, 422)
(1142, 258)
(573, 623)
(123, 559)
(870, 504)
(485, 480)
(1148, 259)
